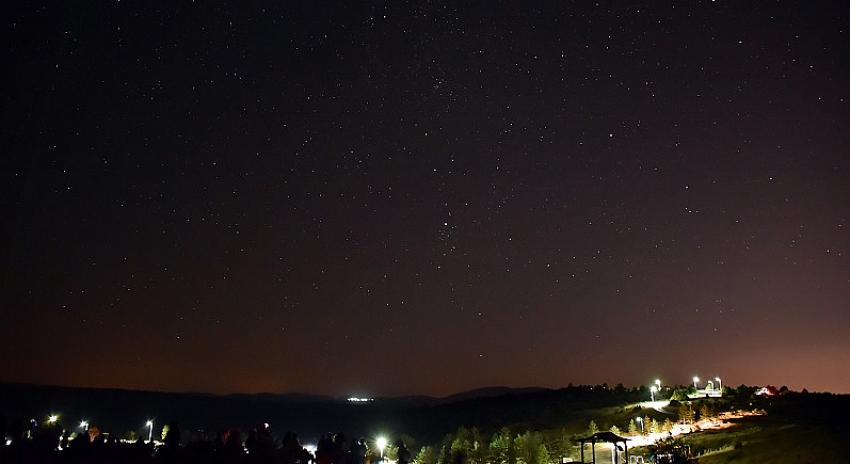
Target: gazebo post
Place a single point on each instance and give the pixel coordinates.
(616, 454)
(593, 449)
(582, 452)
(627, 452)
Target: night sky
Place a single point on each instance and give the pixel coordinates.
(412, 198)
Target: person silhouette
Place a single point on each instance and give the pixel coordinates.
(403, 453)
(324, 450)
(358, 451)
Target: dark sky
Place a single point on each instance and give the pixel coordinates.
(408, 197)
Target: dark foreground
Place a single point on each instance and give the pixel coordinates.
(50, 446)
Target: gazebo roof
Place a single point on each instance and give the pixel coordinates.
(609, 437)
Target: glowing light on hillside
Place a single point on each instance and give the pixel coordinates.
(149, 425)
(381, 442)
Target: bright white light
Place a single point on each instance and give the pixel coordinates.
(8, 442)
(764, 391)
(149, 424)
(381, 442)
(658, 382)
(311, 449)
(84, 425)
(355, 399)
(52, 418)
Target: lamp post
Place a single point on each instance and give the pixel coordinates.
(640, 421)
(652, 390)
(696, 381)
(382, 443)
(52, 419)
(719, 384)
(149, 425)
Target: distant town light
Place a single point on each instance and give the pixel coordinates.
(52, 419)
(355, 399)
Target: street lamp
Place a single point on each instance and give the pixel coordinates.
(52, 419)
(652, 391)
(658, 383)
(149, 425)
(640, 421)
(719, 384)
(84, 424)
(382, 443)
(696, 381)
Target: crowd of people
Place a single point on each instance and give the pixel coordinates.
(51, 444)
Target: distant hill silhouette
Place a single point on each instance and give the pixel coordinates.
(310, 415)
(490, 392)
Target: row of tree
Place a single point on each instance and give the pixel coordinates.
(471, 446)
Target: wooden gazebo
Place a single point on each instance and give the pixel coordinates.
(604, 437)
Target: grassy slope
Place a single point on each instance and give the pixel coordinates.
(798, 429)
(765, 441)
